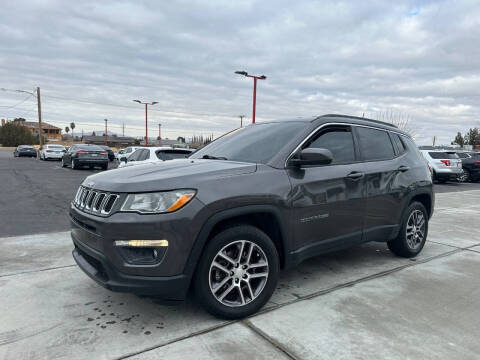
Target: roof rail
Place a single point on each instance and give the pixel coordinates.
(360, 118)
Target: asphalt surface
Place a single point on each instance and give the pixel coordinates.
(359, 303)
(35, 195)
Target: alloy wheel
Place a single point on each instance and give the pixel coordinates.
(415, 231)
(238, 273)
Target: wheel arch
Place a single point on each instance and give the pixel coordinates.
(265, 217)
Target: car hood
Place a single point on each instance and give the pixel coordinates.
(166, 175)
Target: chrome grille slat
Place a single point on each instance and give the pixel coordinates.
(95, 202)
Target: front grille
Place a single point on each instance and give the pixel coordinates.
(94, 201)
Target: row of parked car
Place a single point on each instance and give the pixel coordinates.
(453, 166)
(81, 155)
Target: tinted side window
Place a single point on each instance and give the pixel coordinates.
(145, 155)
(136, 155)
(374, 144)
(339, 141)
(398, 143)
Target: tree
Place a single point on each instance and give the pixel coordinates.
(181, 139)
(399, 119)
(72, 126)
(67, 129)
(472, 137)
(459, 140)
(12, 134)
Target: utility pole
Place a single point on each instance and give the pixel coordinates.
(241, 119)
(123, 129)
(159, 135)
(39, 105)
(106, 132)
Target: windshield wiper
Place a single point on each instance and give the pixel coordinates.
(211, 157)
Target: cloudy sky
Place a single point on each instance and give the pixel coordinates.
(91, 58)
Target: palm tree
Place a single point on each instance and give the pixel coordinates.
(72, 126)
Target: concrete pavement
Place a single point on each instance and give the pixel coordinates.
(359, 303)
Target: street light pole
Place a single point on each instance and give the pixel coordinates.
(255, 78)
(106, 132)
(146, 117)
(241, 119)
(159, 135)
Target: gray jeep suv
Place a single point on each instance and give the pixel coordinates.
(224, 221)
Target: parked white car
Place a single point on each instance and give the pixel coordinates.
(154, 154)
(446, 165)
(52, 152)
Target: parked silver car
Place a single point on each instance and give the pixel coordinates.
(446, 165)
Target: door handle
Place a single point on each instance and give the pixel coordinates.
(403, 168)
(354, 175)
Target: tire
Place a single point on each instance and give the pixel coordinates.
(105, 166)
(410, 246)
(229, 241)
(73, 165)
(63, 163)
(464, 176)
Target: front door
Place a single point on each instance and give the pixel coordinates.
(328, 201)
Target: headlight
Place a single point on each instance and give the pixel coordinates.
(159, 202)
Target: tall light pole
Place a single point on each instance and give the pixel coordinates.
(241, 119)
(255, 78)
(106, 132)
(159, 135)
(146, 117)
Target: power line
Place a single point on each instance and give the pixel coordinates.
(129, 107)
(19, 103)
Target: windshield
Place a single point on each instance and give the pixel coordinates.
(255, 143)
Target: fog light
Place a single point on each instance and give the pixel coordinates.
(142, 243)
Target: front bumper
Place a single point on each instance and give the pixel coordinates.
(96, 254)
(99, 268)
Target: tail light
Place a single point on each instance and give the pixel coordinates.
(446, 162)
(431, 169)
(477, 162)
(81, 152)
(103, 153)
(48, 151)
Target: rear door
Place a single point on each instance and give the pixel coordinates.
(380, 166)
(328, 201)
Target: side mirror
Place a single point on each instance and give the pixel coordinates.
(312, 156)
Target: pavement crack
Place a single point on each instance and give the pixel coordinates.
(20, 334)
(38, 270)
(269, 339)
